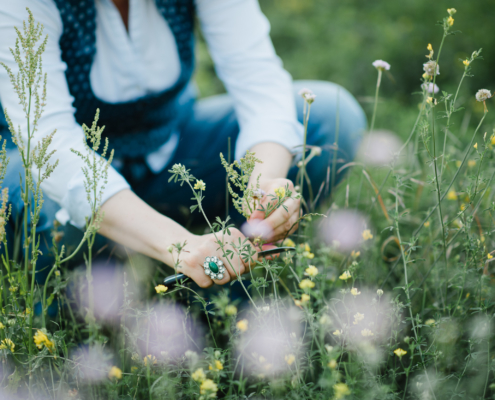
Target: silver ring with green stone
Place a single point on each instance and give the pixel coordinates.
(214, 268)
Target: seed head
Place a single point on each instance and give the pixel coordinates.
(483, 95)
(381, 65)
(431, 68)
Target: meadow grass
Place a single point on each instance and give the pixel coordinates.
(389, 294)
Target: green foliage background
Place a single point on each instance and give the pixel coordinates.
(337, 40)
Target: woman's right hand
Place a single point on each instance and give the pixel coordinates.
(199, 247)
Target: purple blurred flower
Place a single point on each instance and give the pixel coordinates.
(343, 228)
(271, 343)
(256, 228)
(430, 87)
(167, 333)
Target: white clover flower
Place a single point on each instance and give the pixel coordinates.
(381, 65)
(430, 87)
(307, 95)
(483, 94)
(429, 68)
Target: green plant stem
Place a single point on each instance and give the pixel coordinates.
(372, 126)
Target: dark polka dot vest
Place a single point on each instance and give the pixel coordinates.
(137, 127)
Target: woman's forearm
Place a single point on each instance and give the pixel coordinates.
(129, 221)
(276, 161)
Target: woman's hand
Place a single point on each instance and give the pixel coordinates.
(199, 247)
(281, 222)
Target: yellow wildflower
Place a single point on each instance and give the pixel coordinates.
(430, 321)
(341, 390)
(358, 317)
(288, 243)
(476, 145)
(218, 366)
(367, 234)
(450, 21)
(426, 224)
(399, 352)
(161, 289)
(280, 192)
(451, 11)
(198, 375)
(355, 254)
(426, 76)
(40, 339)
(306, 284)
(466, 62)
(57, 273)
(429, 47)
(200, 185)
(2, 326)
(332, 364)
(493, 140)
(304, 299)
(242, 325)
(366, 333)
(355, 292)
(311, 271)
(290, 358)
(149, 359)
(308, 255)
(452, 195)
(208, 387)
(471, 163)
(7, 344)
(231, 310)
(337, 333)
(346, 275)
(489, 256)
(115, 372)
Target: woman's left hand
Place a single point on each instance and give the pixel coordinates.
(282, 221)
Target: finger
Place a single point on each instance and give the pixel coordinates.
(235, 267)
(198, 275)
(216, 268)
(282, 215)
(286, 229)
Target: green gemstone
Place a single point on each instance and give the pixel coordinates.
(213, 267)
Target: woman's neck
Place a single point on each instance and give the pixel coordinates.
(123, 7)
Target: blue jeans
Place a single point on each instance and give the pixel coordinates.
(203, 137)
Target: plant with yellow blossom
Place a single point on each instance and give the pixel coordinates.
(311, 271)
(306, 284)
(150, 360)
(367, 235)
(290, 358)
(208, 388)
(242, 325)
(341, 390)
(230, 310)
(161, 289)
(200, 185)
(7, 344)
(345, 276)
(41, 339)
(399, 352)
(198, 375)
(115, 372)
(217, 366)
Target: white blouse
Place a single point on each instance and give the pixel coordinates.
(142, 60)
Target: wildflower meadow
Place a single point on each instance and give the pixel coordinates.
(388, 292)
